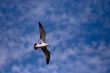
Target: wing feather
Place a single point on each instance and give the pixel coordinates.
(42, 32)
(46, 53)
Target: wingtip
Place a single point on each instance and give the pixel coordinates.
(40, 24)
(47, 62)
(48, 59)
(39, 21)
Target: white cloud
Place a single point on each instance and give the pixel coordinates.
(3, 57)
(20, 68)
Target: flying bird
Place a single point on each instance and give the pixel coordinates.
(43, 45)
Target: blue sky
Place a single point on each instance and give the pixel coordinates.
(77, 30)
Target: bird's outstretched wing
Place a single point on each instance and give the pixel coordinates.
(46, 53)
(42, 32)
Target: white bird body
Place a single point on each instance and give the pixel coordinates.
(39, 45)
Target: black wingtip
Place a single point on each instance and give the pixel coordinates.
(40, 23)
(47, 62)
(48, 59)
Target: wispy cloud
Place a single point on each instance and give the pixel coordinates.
(3, 57)
(84, 57)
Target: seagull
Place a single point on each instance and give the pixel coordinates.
(43, 45)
